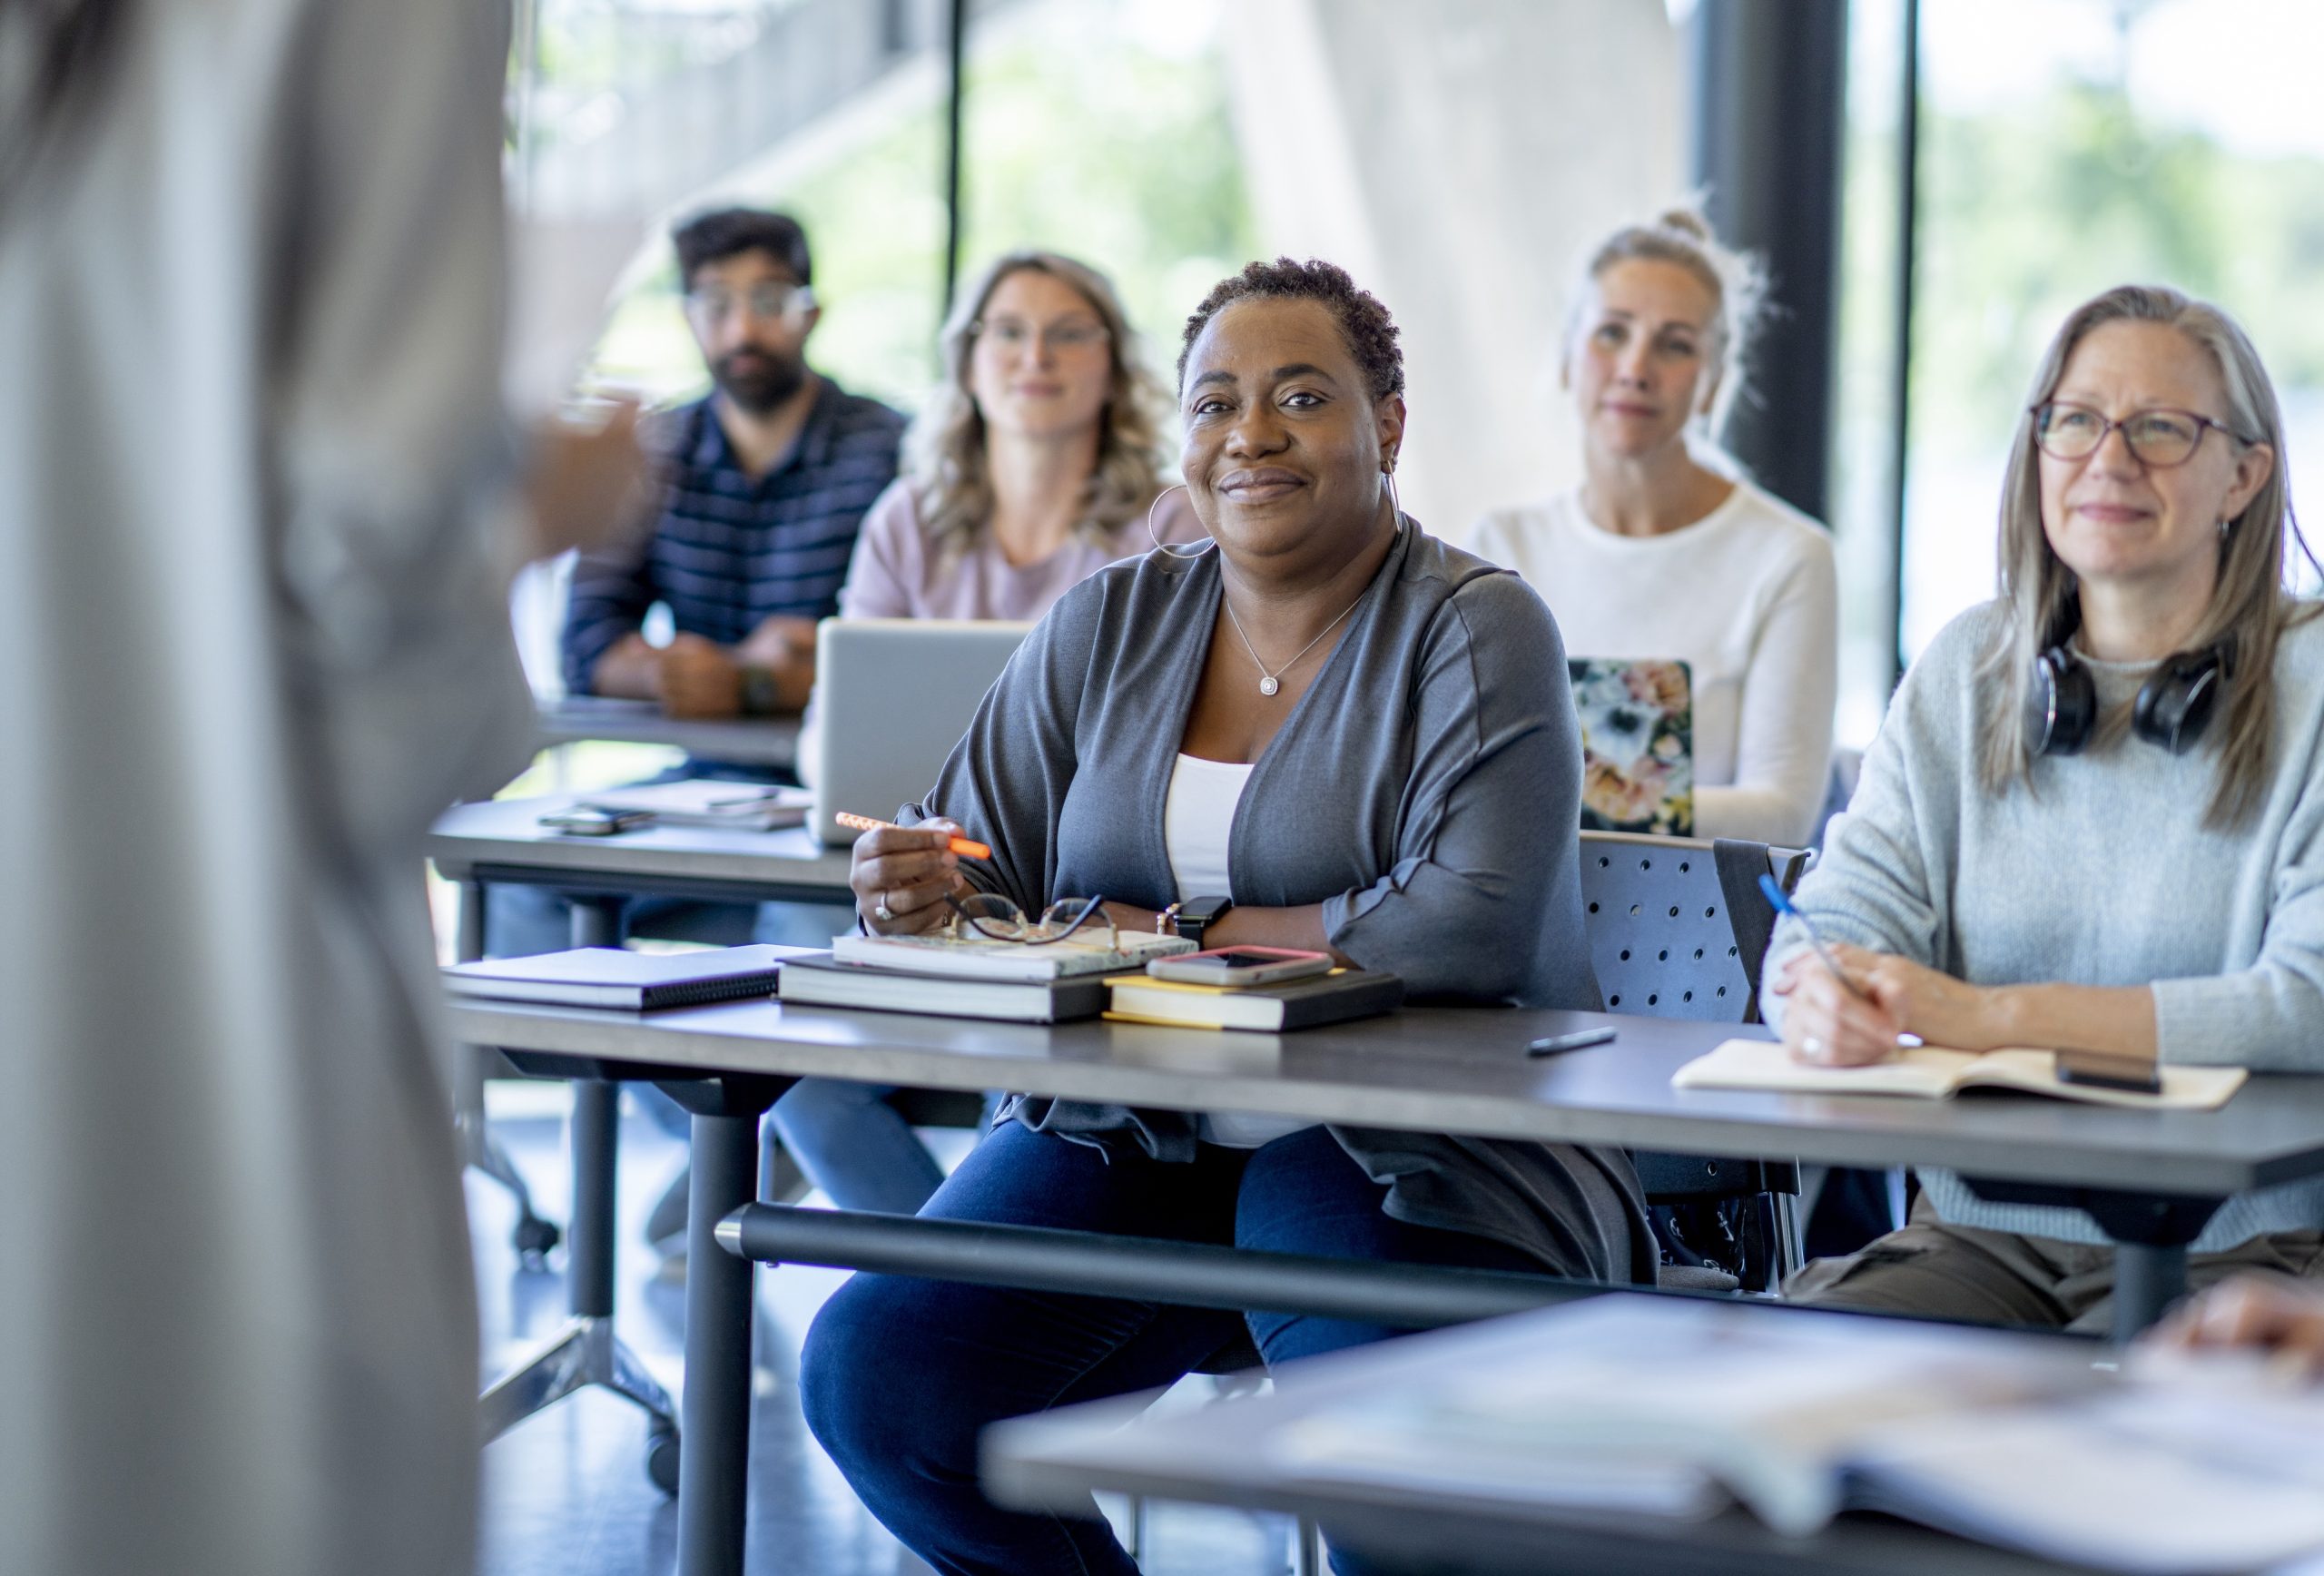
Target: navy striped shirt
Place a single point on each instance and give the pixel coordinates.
(729, 550)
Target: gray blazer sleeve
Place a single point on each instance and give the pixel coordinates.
(1006, 781)
(1484, 901)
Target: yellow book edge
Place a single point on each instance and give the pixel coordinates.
(1186, 987)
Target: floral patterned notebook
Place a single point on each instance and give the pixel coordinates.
(1638, 745)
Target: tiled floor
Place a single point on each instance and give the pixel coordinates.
(566, 1492)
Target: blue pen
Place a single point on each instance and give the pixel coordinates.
(1784, 907)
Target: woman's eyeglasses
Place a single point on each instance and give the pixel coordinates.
(2158, 438)
(1014, 333)
(995, 918)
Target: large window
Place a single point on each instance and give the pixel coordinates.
(1099, 128)
(1093, 127)
(2104, 141)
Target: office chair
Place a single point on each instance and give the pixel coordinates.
(1677, 927)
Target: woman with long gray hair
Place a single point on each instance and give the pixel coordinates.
(2093, 819)
(1036, 463)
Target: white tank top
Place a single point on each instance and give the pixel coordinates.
(1197, 829)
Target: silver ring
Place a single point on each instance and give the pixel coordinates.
(1812, 1046)
(881, 912)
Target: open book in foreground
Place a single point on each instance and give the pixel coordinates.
(1680, 1409)
(1933, 1072)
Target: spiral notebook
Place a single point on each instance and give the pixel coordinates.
(616, 977)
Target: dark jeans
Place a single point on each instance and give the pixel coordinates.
(900, 1375)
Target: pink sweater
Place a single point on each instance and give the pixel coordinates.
(894, 573)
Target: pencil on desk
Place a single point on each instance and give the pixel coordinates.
(966, 847)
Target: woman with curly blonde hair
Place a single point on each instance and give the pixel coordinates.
(1034, 465)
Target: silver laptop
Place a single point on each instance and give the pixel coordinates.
(893, 696)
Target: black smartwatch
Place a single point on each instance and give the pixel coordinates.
(1197, 915)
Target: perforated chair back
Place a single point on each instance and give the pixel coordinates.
(1670, 937)
(1660, 938)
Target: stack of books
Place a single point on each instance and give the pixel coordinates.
(1054, 982)
(1333, 998)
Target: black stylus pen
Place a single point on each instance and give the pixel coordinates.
(1574, 1041)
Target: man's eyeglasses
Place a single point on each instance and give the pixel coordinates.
(1014, 333)
(768, 302)
(2158, 438)
(995, 918)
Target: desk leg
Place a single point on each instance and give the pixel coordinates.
(714, 1467)
(2150, 1232)
(2148, 1279)
(597, 921)
(596, 1136)
(585, 1353)
(533, 1237)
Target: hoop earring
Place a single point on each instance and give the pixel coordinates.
(1170, 549)
(1388, 479)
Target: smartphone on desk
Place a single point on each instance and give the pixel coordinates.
(588, 821)
(1239, 966)
(2100, 1070)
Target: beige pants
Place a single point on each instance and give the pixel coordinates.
(1961, 1272)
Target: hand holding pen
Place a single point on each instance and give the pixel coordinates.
(1831, 1017)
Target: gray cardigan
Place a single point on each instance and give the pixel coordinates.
(1424, 790)
(2099, 870)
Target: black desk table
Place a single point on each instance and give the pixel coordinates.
(474, 845)
(502, 839)
(2152, 1178)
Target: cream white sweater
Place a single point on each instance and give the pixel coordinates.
(2097, 872)
(1747, 596)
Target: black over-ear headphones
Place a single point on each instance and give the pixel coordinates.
(2174, 706)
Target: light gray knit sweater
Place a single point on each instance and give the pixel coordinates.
(2098, 872)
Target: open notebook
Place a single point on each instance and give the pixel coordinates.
(1644, 1407)
(1933, 1072)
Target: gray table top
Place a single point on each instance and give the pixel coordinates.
(1226, 1453)
(1462, 1070)
(752, 741)
(502, 839)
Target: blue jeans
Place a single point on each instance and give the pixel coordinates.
(855, 1146)
(899, 1376)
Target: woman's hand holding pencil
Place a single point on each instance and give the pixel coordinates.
(900, 873)
(966, 847)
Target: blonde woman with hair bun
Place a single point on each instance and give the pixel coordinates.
(1665, 550)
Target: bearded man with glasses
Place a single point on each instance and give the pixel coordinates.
(765, 484)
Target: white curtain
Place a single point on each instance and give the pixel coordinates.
(253, 637)
(1458, 157)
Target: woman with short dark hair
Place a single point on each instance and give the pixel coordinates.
(1334, 732)
(1036, 462)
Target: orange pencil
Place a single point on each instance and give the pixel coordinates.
(966, 847)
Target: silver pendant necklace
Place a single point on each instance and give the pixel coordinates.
(1269, 683)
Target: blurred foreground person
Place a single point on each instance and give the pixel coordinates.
(258, 509)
